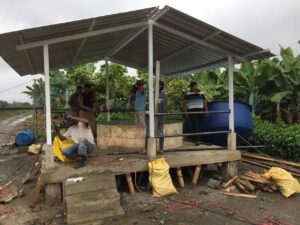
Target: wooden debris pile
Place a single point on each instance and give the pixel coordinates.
(267, 162)
(250, 182)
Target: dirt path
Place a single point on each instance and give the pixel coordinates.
(141, 208)
(8, 127)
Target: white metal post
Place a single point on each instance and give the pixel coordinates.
(107, 88)
(47, 95)
(150, 79)
(151, 142)
(231, 97)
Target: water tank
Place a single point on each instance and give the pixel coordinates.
(220, 122)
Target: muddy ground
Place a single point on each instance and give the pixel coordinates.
(212, 206)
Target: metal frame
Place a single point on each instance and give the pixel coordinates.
(150, 78)
(107, 88)
(230, 94)
(80, 36)
(177, 52)
(26, 53)
(196, 40)
(47, 94)
(83, 41)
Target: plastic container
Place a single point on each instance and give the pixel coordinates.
(25, 138)
(220, 122)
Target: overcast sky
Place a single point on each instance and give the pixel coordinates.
(266, 23)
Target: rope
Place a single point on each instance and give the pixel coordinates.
(210, 206)
(8, 89)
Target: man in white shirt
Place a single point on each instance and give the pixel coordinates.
(82, 135)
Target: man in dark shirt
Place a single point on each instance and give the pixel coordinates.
(194, 101)
(86, 104)
(162, 108)
(73, 101)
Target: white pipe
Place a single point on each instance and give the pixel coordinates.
(150, 79)
(107, 88)
(47, 95)
(231, 97)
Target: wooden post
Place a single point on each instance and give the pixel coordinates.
(196, 175)
(129, 182)
(180, 177)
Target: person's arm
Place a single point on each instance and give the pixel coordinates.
(57, 131)
(79, 119)
(185, 104)
(166, 104)
(205, 105)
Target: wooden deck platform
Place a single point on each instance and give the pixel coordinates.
(129, 163)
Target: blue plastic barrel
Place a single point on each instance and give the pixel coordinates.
(25, 138)
(220, 122)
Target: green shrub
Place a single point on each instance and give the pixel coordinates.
(280, 140)
(116, 116)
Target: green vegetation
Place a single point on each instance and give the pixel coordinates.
(280, 140)
(270, 86)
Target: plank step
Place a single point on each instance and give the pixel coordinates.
(92, 200)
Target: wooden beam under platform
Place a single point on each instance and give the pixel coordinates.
(132, 163)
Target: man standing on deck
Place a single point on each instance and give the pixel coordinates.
(162, 108)
(194, 101)
(138, 101)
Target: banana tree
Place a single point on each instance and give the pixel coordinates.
(291, 67)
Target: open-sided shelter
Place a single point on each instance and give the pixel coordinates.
(180, 43)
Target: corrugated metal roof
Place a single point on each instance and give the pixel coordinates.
(204, 47)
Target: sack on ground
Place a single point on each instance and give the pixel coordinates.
(287, 184)
(59, 145)
(160, 178)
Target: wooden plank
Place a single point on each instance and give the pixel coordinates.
(138, 164)
(246, 184)
(91, 183)
(240, 186)
(240, 195)
(230, 181)
(196, 175)
(129, 182)
(36, 191)
(180, 177)
(249, 155)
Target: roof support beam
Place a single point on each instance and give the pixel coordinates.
(195, 40)
(127, 39)
(203, 66)
(197, 68)
(177, 52)
(132, 35)
(83, 41)
(80, 35)
(26, 54)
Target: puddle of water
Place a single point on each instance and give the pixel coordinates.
(21, 120)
